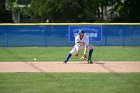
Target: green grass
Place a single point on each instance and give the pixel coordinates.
(59, 54)
(69, 82)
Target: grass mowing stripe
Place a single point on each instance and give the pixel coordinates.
(59, 54)
(23, 60)
(69, 83)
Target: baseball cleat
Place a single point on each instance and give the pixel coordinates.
(90, 62)
(65, 61)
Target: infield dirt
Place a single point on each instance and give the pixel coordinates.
(100, 66)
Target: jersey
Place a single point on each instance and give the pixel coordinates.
(84, 40)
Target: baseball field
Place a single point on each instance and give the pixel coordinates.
(39, 69)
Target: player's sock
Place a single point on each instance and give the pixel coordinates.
(69, 55)
(90, 54)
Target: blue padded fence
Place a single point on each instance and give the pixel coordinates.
(59, 35)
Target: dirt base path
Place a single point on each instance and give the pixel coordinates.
(100, 66)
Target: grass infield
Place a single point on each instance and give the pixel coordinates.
(69, 82)
(59, 54)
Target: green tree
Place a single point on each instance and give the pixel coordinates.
(79, 10)
(62, 10)
(128, 10)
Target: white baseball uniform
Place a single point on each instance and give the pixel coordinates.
(80, 43)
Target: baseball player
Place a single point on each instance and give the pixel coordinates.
(81, 41)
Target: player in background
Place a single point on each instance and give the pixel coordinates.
(81, 41)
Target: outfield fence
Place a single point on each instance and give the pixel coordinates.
(62, 34)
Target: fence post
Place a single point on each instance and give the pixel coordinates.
(123, 39)
(45, 39)
(105, 39)
(44, 34)
(7, 41)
